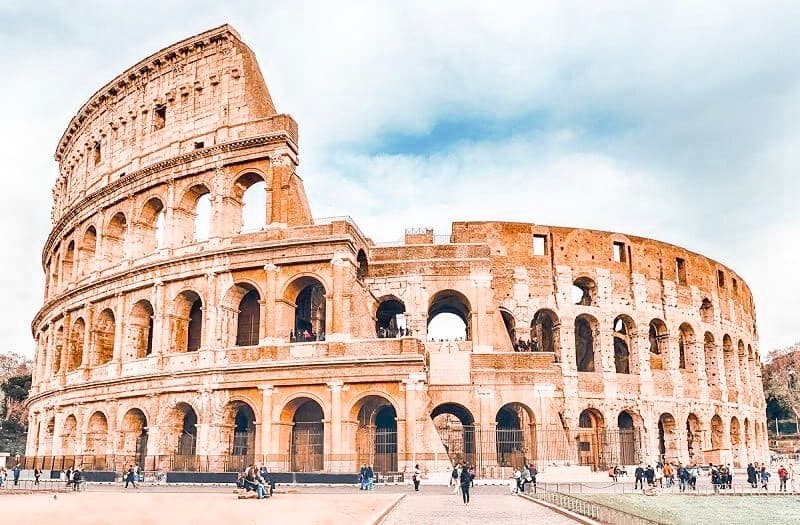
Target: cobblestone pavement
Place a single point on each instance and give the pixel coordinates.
(487, 507)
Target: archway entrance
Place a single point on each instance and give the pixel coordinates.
(449, 317)
(667, 448)
(96, 442)
(309, 313)
(456, 428)
(390, 320)
(589, 438)
(183, 423)
(736, 441)
(514, 436)
(376, 436)
(628, 453)
(134, 436)
(694, 439)
(308, 438)
(244, 437)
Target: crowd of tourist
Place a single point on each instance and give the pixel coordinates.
(305, 336)
(526, 346)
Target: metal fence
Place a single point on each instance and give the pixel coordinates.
(590, 509)
(44, 485)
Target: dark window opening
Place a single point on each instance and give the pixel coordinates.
(680, 270)
(199, 145)
(721, 278)
(96, 153)
(160, 117)
(194, 340)
(249, 319)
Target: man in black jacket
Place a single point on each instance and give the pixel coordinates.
(639, 475)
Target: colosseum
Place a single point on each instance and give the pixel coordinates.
(197, 317)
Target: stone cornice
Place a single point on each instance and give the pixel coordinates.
(141, 69)
(119, 184)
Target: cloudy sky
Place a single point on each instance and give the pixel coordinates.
(679, 122)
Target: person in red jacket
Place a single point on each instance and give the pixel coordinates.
(783, 475)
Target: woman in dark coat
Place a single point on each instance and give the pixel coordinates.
(752, 476)
(465, 481)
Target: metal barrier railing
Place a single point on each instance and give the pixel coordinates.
(44, 485)
(590, 509)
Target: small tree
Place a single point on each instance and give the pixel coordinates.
(782, 378)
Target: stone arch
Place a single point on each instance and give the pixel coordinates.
(694, 438)
(187, 322)
(712, 366)
(46, 436)
(180, 435)
(69, 436)
(667, 438)
(625, 361)
(584, 291)
(87, 251)
(455, 425)
(450, 303)
(376, 434)
(510, 324)
(390, 320)
(241, 326)
(68, 263)
(717, 432)
(150, 226)
(629, 426)
(104, 335)
(515, 437)
(591, 426)
(736, 442)
(362, 270)
(659, 340)
(133, 435)
(77, 336)
(546, 332)
(140, 330)
(55, 281)
(587, 351)
(729, 362)
(250, 194)
(308, 295)
(305, 416)
(687, 353)
(240, 431)
(707, 311)
(97, 435)
(196, 213)
(114, 238)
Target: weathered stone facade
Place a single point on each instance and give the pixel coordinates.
(158, 344)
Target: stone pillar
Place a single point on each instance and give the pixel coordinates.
(161, 334)
(486, 426)
(88, 346)
(264, 426)
(336, 464)
(119, 333)
(481, 323)
(203, 446)
(65, 347)
(412, 386)
(210, 308)
(271, 292)
(335, 314)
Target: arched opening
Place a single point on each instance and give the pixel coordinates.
(712, 367)
(104, 332)
(134, 436)
(69, 436)
(114, 238)
(69, 260)
(309, 312)
(188, 322)
(624, 337)
(390, 320)
(195, 214)
(251, 189)
(545, 332)
(659, 338)
(717, 432)
(87, 250)
(308, 437)
(589, 438)
(76, 338)
(628, 439)
(46, 437)
(514, 436)
(449, 317)
(584, 292)
(667, 438)
(687, 358)
(585, 327)
(55, 280)
(511, 329)
(150, 229)
(363, 265)
(736, 441)
(729, 362)
(694, 439)
(243, 439)
(376, 435)
(456, 428)
(186, 446)
(96, 441)
(249, 319)
(140, 331)
(202, 218)
(707, 311)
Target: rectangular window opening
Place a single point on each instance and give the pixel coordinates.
(619, 252)
(539, 244)
(199, 145)
(160, 116)
(721, 278)
(680, 270)
(96, 153)
(735, 285)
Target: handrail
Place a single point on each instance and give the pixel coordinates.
(590, 509)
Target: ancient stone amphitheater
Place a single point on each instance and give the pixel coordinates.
(197, 317)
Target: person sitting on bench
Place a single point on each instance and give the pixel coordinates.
(252, 481)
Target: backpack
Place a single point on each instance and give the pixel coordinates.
(454, 474)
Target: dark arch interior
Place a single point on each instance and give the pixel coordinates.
(308, 438)
(584, 345)
(363, 265)
(456, 410)
(309, 318)
(510, 324)
(390, 319)
(188, 436)
(194, 339)
(249, 319)
(624, 420)
(543, 331)
(244, 431)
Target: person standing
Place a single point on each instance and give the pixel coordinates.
(526, 477)
(752, 475)
(130, 477)
(639, 476)
(783, 476)
(454, 477)
(764, 477)
(416, 477)
(37, 473)
(466, 480)
(16, 470)
(370, 478)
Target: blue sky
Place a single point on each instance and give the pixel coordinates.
(678, 122)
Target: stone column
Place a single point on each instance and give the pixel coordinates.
(412, 386)
(335, 316)
(336, 462)
(264, 425)
(481, 323)
(161, 334)
(88, 345)
(210, 308)
(119, 333)
(65, 347)
(270, 290)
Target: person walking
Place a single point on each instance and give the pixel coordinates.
(370, 478)
(130, 477)
(752, 475)
(668, 474)
(764, 477)
(16, 471)
(783, 476)
(683, 478)
(454, 477)
(639, 476)
(466, 481)
(37, 473)
(416, 477)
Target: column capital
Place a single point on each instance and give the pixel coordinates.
(270, 267)
(267, 390)
(335, 386)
